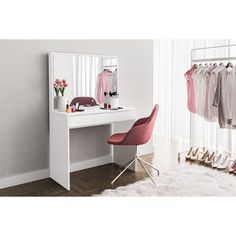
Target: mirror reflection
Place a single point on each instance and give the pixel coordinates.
(87, 75)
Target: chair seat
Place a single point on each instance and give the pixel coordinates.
(116, 138)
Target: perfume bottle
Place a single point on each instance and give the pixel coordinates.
(67, 107)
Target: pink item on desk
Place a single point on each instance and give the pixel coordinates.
(73, 108)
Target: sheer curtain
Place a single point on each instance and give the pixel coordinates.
(172, 60)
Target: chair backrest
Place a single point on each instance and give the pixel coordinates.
(142, 132)
(83, 101)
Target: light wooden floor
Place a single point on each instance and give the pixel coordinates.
(94, 180)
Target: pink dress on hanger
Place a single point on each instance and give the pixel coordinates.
(103, 85)
(190, 89)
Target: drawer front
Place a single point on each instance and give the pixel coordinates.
(100, 119)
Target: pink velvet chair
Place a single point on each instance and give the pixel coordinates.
(140, 133)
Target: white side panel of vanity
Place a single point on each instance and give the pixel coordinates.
(59, 149)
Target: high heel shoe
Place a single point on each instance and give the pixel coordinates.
(232, 169)
(194, 155)
(202, 156)
(224, 163)
(209, 159)
(216, 161)
(189, 154)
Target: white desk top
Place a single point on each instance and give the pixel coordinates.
(92, 111)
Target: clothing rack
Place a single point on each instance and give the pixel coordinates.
(109, 63)
(193, 61)
(212, 59)
(110, 66)
(215, 59)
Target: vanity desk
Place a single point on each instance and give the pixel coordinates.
(60, 125)
(81, 73)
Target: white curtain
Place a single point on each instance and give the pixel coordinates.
(172, 60)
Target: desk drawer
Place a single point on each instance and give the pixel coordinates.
(100, 119)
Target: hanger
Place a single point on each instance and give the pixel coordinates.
(221, 64)
(215, 64)
(107, 70)
(229, 64)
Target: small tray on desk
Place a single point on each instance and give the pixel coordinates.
(118, 108)
(79, 110)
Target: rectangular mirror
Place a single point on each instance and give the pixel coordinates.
(86, 74)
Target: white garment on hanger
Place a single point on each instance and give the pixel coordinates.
(197, 80)
(202, 90)
(114, 81)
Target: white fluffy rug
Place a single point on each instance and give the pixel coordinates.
(185, 180)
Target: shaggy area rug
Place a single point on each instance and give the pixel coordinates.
(184, 180)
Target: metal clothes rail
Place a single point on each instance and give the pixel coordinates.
(195, 60)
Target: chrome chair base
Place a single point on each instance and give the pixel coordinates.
(142, 162)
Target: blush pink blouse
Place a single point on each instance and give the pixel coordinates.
(190, 89)
(103, 85)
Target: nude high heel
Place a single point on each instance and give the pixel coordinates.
(194, 156)
(208, 160)
(202, 156)
(224, 163)
(216, 161)
(189, 154)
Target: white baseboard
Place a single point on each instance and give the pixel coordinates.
(24, 178)
(99, 161)
(43, 174)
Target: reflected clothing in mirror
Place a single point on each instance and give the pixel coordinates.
(114, 81)
(85, 74)
(107, 82)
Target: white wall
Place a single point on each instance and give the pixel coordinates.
(24, 93)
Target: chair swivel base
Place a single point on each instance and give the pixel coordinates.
(142, 162)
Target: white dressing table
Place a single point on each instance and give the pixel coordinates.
(62, 122)
(81, 72)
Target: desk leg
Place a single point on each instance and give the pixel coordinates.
(123, 154)
(59, 150)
